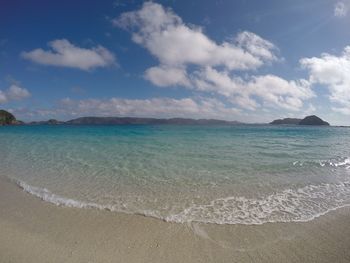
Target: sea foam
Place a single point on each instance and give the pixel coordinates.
(299, 205)
(338, 162)
(50, 197)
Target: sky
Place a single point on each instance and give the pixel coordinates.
(245, 60)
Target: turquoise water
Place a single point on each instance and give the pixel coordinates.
(242, 174)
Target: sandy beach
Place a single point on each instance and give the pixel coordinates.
(32, 230)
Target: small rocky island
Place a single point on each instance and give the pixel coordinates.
(309, 120)
(7, 118)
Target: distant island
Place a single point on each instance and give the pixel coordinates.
(309, 120)
(6, 118)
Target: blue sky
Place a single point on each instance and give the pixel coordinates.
(250, 61)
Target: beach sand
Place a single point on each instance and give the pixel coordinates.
(32, 230)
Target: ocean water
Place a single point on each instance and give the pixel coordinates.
(245, 174)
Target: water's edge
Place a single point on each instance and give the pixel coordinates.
(47, 196)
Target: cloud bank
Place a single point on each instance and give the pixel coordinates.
(188, 58)
(65, 54)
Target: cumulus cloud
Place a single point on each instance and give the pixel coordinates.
(17, 93)
(169, 39)
(340, 9)
(334, 73)
(272, 91)
(256, 45)
(65, 54)
(13, 93)
(164, 76)
(189, 58)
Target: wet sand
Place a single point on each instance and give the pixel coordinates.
(32, 230)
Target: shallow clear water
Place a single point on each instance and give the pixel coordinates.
(218, 174)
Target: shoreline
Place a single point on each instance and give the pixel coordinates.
(47, 196)
(32, 230)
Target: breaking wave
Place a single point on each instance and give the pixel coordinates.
(291, 205)
(338, 162)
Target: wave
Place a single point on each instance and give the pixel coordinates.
(50, 197)
(47, 196)
(339, 162)
(343, 162)
(299, 205)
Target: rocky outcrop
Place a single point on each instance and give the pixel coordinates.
(7, 118)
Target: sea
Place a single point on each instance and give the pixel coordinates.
(239, 174)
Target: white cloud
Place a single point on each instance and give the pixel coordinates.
(174, 43)
(65, 54)
(17, 93)
(333, 72)
(190, 59)
(164, 76)
(14, 92)
(271, 90)
(280, 93)
(256, 45)
(340, 9)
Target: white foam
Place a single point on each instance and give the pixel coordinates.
(298, 163)
(47, 196)
(339, 162)
(300, 205)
